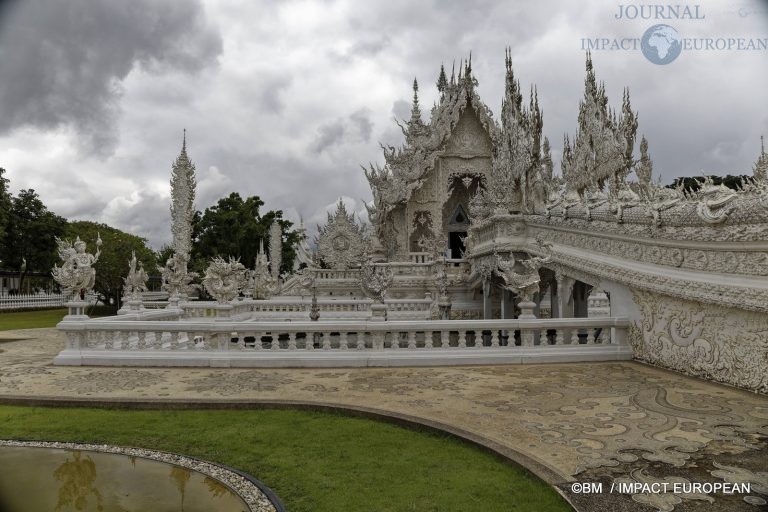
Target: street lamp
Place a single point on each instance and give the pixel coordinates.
(21, 272)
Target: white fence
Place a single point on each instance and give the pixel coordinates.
(142, 340)
(36, 301)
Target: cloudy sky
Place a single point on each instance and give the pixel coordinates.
(286, 99)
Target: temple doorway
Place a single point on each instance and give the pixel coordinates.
(456, 244)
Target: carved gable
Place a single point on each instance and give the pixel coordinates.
(469, 138)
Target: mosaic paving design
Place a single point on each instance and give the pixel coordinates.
(584, 422)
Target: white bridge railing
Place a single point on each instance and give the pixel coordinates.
(147, 342)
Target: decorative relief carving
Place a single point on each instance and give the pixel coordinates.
(714, 342)
(729, 262)
(224, 279)
(341, 242)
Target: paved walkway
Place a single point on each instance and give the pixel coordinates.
(586, 422)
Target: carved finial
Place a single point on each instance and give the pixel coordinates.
(415, 110)
(442, 81)
(453, 72)
(468, 72)
(184, 141)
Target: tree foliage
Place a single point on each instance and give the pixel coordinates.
(693, 183)
(116, 250)
(30, 234)
(5, 205)
(234, 227)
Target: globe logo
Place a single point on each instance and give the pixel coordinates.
(661, 44)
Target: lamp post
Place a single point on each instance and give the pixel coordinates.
(21, 272)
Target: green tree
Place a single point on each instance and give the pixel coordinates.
(235, 227)
(116, 250)
(693, 183)
(30, 235)
(6, 203)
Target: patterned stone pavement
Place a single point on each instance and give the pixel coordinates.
(588, 422)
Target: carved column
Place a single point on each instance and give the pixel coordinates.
(554, 298)
(487, 305)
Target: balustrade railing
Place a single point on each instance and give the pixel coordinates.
(152, 335)
(298, 308)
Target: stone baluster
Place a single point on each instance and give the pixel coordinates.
(109, 341)
(462, 338)
(574, 336)
(494, 338)
(309, 341)
(590, 336)
(343, 343)
(411, 339)
(543, 337)
(173, 343)
(445, 339)
(326, 340)
(142, 340)
(275, 341)
(257, 340)
(291, 341)
(559, 337)
(394, 341)
(428, 339)
(526, 338)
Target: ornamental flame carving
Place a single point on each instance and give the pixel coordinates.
(135, 283)
(76, 276)
(341, 242)
(260, 280)
(224, 279)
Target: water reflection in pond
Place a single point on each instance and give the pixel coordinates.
(48, 479)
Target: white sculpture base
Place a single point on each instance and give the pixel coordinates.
(76, 310)
(526, 309)
(351, 358)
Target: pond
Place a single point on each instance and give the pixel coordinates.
(63, 480)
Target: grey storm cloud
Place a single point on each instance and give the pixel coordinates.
(357, 126)
(63, 62)
(284, 99)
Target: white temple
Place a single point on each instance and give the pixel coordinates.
(480, 253)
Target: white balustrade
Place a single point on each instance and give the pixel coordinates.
(150, 339)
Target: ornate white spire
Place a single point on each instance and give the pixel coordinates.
(183, 185)
(275, 248)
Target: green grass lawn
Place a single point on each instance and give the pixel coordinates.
(315, 461)
(31, 319)
(43, 318)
